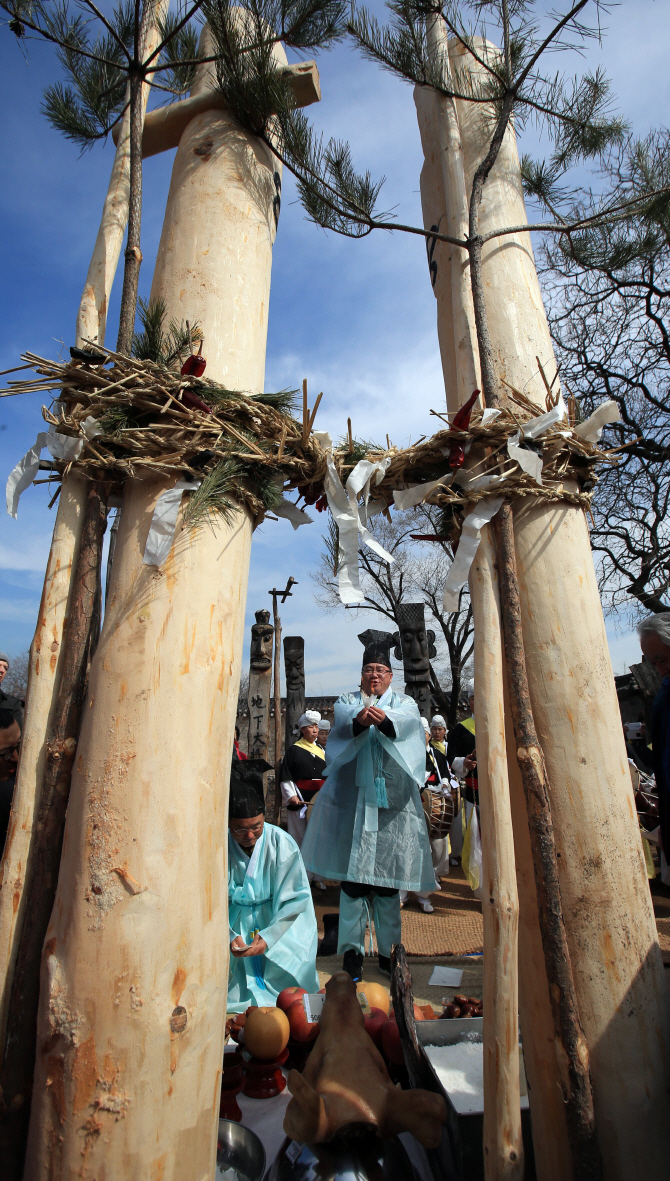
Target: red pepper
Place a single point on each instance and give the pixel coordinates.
(461, 423)
(193, 402)
(194, 366)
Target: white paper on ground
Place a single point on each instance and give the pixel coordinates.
(292, 513)
(528, 461)
(164, 522)
(592, 429)
(446, 977)
(467, 548)
(409, 497)
(537, 426)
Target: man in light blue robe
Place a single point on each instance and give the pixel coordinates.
(273, 935)
(367, 827)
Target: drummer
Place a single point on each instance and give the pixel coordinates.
(443, 786)
(302, 777)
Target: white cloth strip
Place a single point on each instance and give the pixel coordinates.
(292, 513)
(592, 429)
(528, 461)
(409, 497)
(345, 512)
(467, 548)
(537, 426)
(63, 447)
(164, 522)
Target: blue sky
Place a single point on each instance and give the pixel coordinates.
(357, 319)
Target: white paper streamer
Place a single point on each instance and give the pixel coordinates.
(164, 522)
(63, 447)
(409, 497)
(592, 429)
(467, 548)
(529, 461)
(344, 508)
(489, 416)
(537, 426)
(292, 513)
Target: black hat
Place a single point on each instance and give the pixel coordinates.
(377, 647)
(246, 788)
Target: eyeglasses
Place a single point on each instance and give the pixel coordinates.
(247, 832)
(9, 751)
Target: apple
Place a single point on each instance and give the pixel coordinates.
(374, 1025)
(288, 995)
(302, 1030)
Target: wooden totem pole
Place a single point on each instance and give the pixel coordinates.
(260, 682)
(609, 921)
(133, 998)
(294, 672)
(415, 646)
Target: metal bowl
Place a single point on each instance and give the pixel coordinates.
(363, 1158)
(239, 1148)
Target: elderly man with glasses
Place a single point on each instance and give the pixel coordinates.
(367, 828)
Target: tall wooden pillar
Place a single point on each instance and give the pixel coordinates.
(260, 681)
(623, 1001)
(135, 967)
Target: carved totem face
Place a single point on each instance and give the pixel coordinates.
(294, 663)
(414, 643)
(260, 652)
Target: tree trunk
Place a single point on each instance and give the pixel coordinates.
(92, 317)
(19, 1052)
(133, 254)
(140, 920)
(503, 1145)
(607, 911)
(47, 655)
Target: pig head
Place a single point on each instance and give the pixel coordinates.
(346, 1082)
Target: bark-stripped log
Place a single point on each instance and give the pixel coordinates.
(46, 662)
(135, 967)
(503, 1145)
(16, 1072)
(621, 994)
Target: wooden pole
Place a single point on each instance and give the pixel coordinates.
(503, 1144)
(284, 595)
(140, 918)
(276, 683)
(18, 1059)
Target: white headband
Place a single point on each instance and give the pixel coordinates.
(324, 724)
(438, 720)
(424, 723)
(309, 718)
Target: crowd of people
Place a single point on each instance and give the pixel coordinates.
(357, 796)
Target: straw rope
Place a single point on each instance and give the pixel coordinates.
(154, 420)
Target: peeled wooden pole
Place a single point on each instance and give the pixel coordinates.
(94, 305)
(135, 967)
(46, 653)
(16, 1071)
(503, 1144)
(45, 665)
(611, 933)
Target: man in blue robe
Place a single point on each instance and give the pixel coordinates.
(367, 828)
(273, 935)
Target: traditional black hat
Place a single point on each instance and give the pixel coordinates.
(377, 647)
(246, 788)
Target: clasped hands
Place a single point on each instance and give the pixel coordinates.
(371, 716)
(239, 949)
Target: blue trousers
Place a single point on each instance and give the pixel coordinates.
(360, 903)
